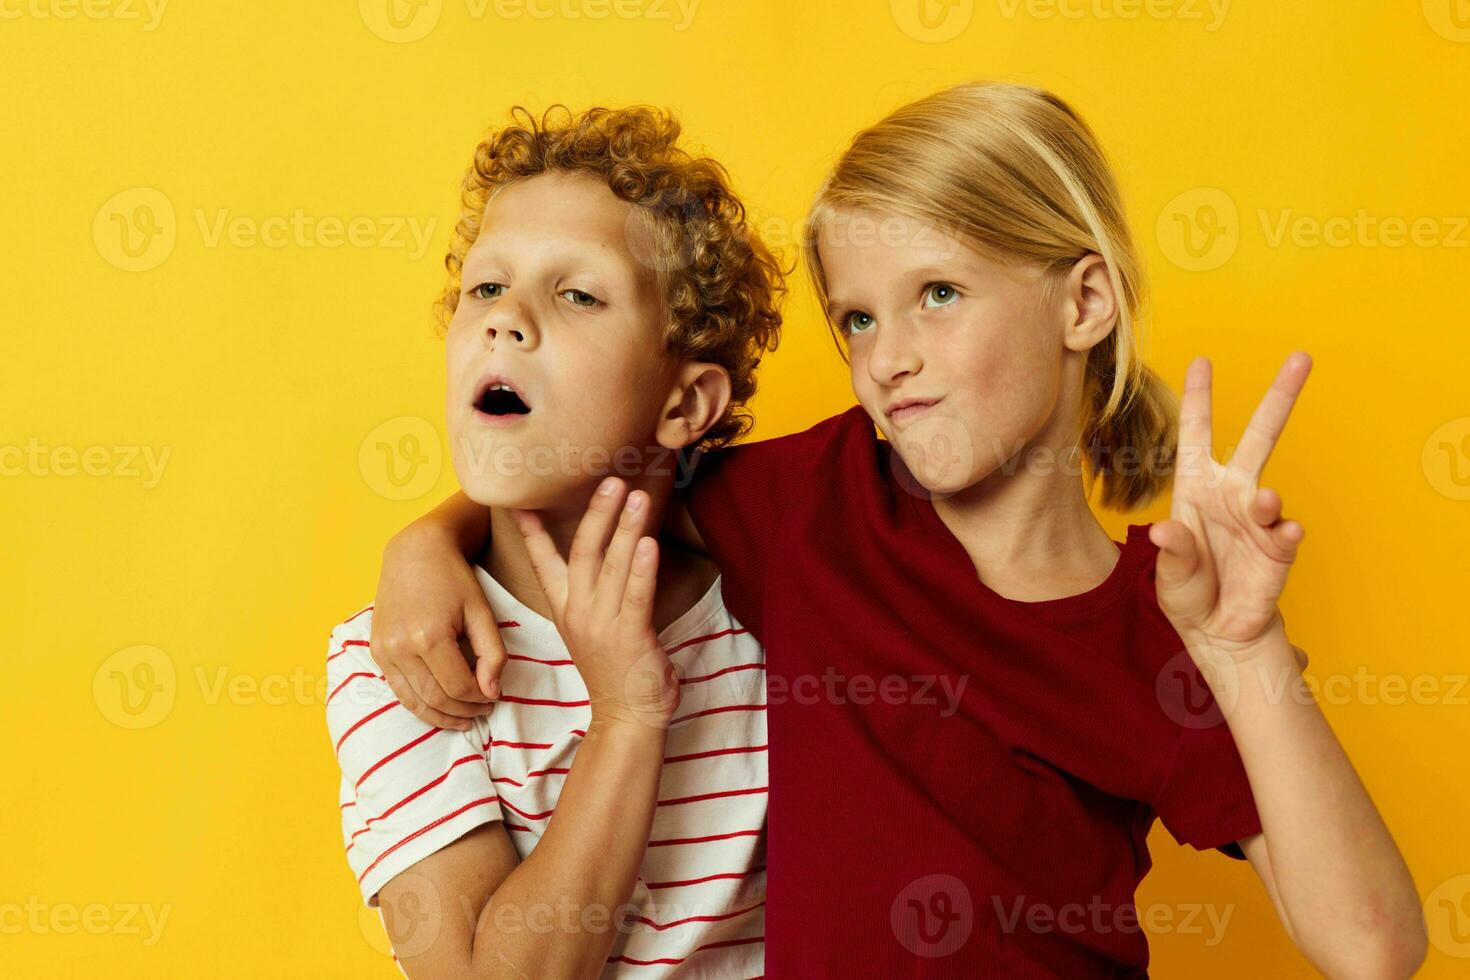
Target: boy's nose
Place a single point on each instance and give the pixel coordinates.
(509, 323)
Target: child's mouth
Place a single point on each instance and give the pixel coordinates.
(498, 399)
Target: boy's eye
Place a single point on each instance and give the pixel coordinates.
(858, 322)
(940, 294)
(495, 287)
(578, 297)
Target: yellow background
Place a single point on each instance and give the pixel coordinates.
(264, 371)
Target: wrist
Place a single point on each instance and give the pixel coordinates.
(1265, 645)
(629, 726)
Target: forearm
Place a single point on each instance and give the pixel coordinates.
(556, 915)
(458, 519)
(1350, 901)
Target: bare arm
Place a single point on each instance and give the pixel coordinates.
(557, 913)
(473, 909)
(1330, 865)
(429, 607)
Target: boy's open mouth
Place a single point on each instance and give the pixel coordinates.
(498, 398)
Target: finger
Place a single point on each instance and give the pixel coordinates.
(416, 706)
(1288, 536)
(642, 582)
(588, 544)
(1178, 553)
(451, 672)
(1195, 410)
(616, 565)
(1301, 656)
(489, 648)
(422, 680)
(1270, 416)
(546, 561)
(1265, 507)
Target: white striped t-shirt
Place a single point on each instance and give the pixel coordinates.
(409, 789)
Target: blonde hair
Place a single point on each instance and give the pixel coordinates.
(1015, 171)
(722, 284)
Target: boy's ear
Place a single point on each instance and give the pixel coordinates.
(698, 400)
(1090, 303)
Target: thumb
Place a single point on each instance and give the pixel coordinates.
(1178, 553)
(489, 649)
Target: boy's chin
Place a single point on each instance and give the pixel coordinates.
(530, 494)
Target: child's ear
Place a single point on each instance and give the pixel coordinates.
(698, 400)
(1089, 303)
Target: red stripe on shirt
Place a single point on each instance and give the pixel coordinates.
(364, 609)
(424, 830)
(709, 636)
(702, 755)
(660, 926)
(715, 711)
(713, 796)
(538, 660)
(700, 840)
(545, 701)
(345, 645)
(726, 670)
(348, 680)
(727, 942)
(696, 881)
(414, 795)
(531, 775)
(395, 754)
(364, 720)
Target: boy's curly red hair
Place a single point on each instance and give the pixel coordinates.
(722, 285)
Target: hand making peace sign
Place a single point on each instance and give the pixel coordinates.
(1226, 550)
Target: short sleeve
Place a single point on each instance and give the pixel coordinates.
(407, 789)
(739, 497)
(1205, 798)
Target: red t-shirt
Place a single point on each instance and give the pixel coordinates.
(961, 784)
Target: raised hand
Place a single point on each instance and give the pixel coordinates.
(1225, 551)
(602, 602)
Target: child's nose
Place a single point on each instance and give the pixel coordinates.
(509, 323)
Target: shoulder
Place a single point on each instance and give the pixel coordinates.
(347, 645)
(846, 429)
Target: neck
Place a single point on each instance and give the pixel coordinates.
(505, 556)
(1028, 529)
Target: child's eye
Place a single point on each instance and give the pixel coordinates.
(858, 322)
(940, 294)
(578, 297)
(497, 287)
